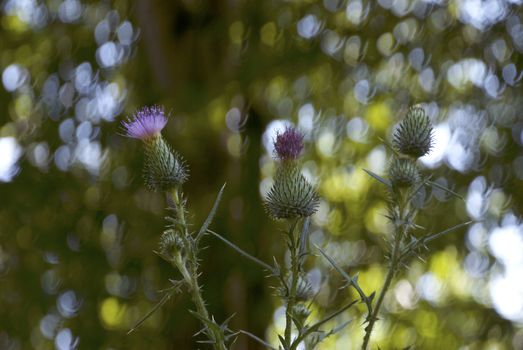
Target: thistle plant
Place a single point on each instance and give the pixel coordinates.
(291, 201)
(412, 139)
(164, 171)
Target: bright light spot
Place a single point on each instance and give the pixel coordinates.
(10, 151)
(306, 118)
(109, 54)
(405, 294)
(506, 244)
(65, 340)
(68, 304)
(482, 13)
(357, 129)
(125, 33)
(13, 77)
(309, 26)
(70, 11)
(441, 141)
(477, 198)
(429, 287)
(269, 136)
(377, 160)
(467, 70)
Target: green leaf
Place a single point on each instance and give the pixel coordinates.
(315, 327)
(162, 301)
(353, 281)
(242, 252)
(208, 221)
(379, 178)
(259, 340)
(437, 185)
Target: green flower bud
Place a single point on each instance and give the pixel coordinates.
(164, 169)
(300, 313)
(170, 243)
(403, 173)
(304, 290)
(413, 137)
(292, 195)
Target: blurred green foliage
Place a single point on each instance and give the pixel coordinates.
(77, 226)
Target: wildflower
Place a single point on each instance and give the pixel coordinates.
(289, 144)
(146, 123)
(164, 168)
(403, 173)
(413, 137)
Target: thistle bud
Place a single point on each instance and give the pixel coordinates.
(413, 137)
(304, 290)
(164, 169)
(300, 313)
(292, 195)
(170, 243)
(403, 173)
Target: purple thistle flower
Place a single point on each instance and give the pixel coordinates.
(145, 123)
(289, 144)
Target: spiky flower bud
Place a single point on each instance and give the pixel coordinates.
(300, 313)
(413, 137)
(164, 169)
(292, 195)
(170, 243)
(304, 290)
(403, 173)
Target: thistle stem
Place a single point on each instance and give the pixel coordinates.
(388, 280)
(399, 233)
(188, 267)
(291, 298)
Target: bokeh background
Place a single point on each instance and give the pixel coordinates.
(77, 227)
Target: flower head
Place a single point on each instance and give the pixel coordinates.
(403, 173)
(145, 123)
(291, 195)
(289, 144)
(414, 134)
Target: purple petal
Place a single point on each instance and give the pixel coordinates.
(289, 144)
(145, 123)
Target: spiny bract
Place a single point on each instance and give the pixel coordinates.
(292, 195)
(403, 173)
(413, 137)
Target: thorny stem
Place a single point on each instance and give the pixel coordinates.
(190, 274)
(399, 232)
(291, 298)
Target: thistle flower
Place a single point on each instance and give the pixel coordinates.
(164, 168)
(292, 195)
(413, 137)
(148, 122)
(289, 144)
(403, 173)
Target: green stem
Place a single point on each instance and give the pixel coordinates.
(291, 298)
(388, 280)
(400, 232)
(190, 275)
